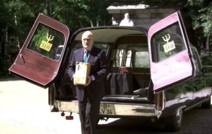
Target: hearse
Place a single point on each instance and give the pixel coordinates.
(154, 72)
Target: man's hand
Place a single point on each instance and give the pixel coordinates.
(74, 79)
(88, 81)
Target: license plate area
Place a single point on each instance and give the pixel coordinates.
(107, 109)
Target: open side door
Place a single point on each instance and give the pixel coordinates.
(40, 58)
(170, 53)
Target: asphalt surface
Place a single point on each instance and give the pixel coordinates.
(24, 110)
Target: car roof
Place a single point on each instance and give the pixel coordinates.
(110, 33)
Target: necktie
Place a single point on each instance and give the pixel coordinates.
(86, 56)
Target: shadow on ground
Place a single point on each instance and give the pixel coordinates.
(195, 121)
(10, 78)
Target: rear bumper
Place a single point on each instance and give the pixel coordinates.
(119, 109)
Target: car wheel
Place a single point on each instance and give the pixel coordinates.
(206, 104)
(173, 123)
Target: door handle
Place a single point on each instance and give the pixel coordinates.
(22, 57)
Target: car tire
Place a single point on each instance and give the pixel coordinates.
(206, 104)
(173, 122)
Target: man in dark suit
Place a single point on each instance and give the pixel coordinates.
(90, 94)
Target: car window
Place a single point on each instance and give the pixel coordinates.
(144, 63)
(167, 42)
(59, 51)
(132, 55)
(102, 45)
(46, 41)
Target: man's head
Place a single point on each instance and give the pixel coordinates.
(87, 40)
(126, 16)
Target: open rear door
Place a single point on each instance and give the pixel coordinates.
(41, 54)
(170, 54)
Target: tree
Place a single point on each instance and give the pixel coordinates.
(201, 12)
(17, 16)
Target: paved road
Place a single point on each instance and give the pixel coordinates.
(24, 110)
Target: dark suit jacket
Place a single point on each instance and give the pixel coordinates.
(99, 70)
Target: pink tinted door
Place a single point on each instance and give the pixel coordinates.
(170, 58)
(39, 60)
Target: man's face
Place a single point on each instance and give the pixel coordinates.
(126, 15)
(87, 40)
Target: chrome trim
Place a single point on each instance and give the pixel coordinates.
(121, 109)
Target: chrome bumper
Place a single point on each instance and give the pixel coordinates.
(120, 109)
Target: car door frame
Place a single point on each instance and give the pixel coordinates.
(33, 66)
(163, 74)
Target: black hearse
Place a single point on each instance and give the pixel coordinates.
(154, 72)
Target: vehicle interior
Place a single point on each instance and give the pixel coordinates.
(127, 52)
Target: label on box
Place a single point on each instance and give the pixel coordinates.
(82, 70)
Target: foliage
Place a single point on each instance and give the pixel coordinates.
(192, 85)
(201, 13)
(4, 65)
(17, 16)
(20, 14)
(207, 60)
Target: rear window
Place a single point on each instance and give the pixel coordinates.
(167, 42)
(131, 51)
(46, 42)
(102, 45)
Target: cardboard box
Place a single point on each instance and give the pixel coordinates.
(82, 70)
